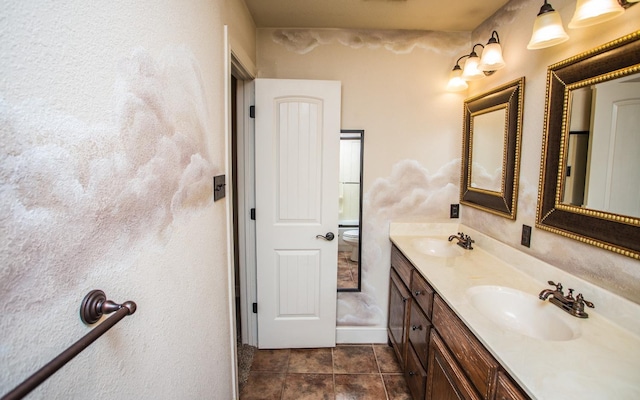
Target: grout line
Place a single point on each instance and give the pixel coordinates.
(384, 385)
(333, 372)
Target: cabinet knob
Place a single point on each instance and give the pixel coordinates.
(417, 292)
(414, 327)
(411, 373)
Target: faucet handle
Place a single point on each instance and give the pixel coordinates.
(580, 299)
(557, 285)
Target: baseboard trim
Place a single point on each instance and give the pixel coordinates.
(361, 334)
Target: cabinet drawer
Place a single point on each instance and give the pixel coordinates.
(401, 265)
(419, 329)
(422, 292)
(480, 366)
(415, 375)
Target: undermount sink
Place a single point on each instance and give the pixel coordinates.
(437, 247)
(523, 313)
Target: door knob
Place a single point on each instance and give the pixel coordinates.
(328, 237)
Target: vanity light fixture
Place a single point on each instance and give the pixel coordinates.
(471, 72)
(476, 67)
(591, 12)
(547, 29)
(456, 82)
(492, 54)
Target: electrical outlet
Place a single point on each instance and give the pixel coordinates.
(526, 236)
(454, 212)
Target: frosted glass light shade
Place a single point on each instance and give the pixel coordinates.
(547, 31)
(471, 71)
(456, 83)
(491, 59)
(591, 12)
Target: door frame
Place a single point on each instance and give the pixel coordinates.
(242, 68)
(246, 201)
(236, 62)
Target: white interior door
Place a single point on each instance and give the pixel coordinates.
(297, 163)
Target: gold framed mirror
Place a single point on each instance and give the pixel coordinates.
(589, 186)
(492, 129)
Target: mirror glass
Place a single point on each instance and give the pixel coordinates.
(487, 152)
(603, 150)
(350, 210)
(590, 165)
(492, 128)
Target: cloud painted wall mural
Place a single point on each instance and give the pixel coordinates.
(73, 193)
(411, 192)
(303, 41)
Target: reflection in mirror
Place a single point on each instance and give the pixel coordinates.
(590, 169)
(350, 210)
(603, 148)
(487, 155)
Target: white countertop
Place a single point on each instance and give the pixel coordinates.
(603, 362)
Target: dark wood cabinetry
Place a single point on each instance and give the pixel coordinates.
(445, 379)
(399, 307)
(506, 389)
(441, 358)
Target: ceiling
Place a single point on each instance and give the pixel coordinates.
(434, 15)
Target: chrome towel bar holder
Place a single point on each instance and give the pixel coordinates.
(93, 307)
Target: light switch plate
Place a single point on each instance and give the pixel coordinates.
(219, 187)
(526, 236)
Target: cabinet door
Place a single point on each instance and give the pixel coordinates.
(445, 379)
(507, 390)
(399, 306)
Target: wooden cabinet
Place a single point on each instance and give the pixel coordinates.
(415, 374)
(445, 379)
(475, 360)
(419, 329)
(507, 390)
(441, 358)
(399, 307)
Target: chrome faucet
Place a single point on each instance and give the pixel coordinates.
(574, 306)
(464, 241)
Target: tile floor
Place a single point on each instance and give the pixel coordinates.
(347, 271)
(344, 372)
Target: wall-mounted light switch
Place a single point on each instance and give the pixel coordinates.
(526, 236)
(454, 211)
(219, 187)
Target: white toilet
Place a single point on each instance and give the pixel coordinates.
(352, 238)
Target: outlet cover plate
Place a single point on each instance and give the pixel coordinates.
(454, 211)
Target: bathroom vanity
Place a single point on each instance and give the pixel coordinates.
(468, 324)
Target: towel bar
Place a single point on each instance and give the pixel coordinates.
(94, 305)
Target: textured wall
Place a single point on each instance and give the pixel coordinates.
(112, 126)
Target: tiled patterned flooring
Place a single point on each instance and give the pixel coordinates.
(347, 271)
(344, 372)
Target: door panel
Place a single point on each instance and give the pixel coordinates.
(297, 148)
